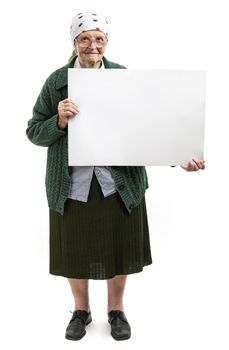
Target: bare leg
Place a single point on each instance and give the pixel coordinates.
(80, 293)
(115, 291)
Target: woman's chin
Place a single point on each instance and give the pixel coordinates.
(91, 60)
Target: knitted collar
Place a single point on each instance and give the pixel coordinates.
(62, 78)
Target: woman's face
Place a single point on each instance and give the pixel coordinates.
(90, 47)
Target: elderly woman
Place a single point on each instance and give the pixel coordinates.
(98, 218)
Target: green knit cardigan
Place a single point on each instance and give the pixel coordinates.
(131, 181)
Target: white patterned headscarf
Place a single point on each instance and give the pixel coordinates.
(88, 21)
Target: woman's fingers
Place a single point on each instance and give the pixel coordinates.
(194, 165)
(66, 109)
(69, 107)
(70, 102)
(199, 163)
(70, 110)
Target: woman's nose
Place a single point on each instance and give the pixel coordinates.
(92, 43)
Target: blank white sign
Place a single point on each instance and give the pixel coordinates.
(136, 117)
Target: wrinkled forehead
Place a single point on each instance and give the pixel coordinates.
(91, 33)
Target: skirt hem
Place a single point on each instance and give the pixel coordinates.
(101, 278)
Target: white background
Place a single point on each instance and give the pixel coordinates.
(181, 300)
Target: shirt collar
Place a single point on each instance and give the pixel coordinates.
(62, 73)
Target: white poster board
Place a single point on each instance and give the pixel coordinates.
(132, 117)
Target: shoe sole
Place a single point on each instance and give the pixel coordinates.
(123, 338)
(70, 338)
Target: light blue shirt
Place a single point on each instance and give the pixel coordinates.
(81, 176)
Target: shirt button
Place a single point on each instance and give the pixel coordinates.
(121, 187)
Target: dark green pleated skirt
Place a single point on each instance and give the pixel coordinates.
(99, 239)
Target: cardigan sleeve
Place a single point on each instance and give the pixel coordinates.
(43, 127)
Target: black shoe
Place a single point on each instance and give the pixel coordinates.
(76, 327)
(120, 328)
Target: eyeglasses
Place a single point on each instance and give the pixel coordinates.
(85, 41)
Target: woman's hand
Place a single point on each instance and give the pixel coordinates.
(194, 165)
(67, 108)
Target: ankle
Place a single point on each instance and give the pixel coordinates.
(115, 307)
(83, 307)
